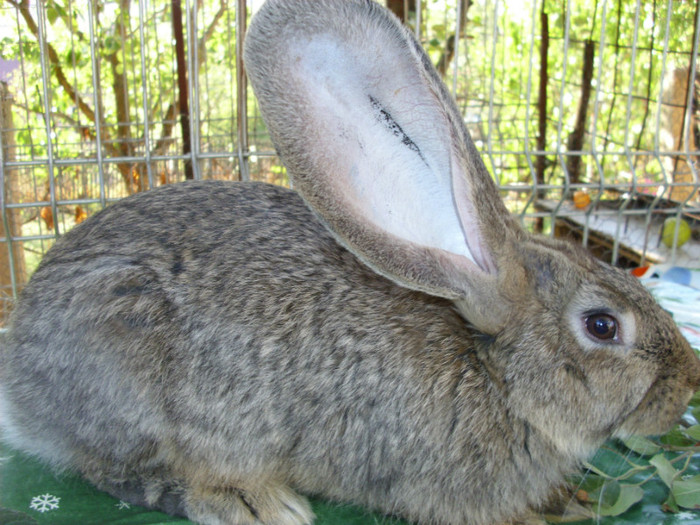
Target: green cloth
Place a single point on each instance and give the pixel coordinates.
(30, 493)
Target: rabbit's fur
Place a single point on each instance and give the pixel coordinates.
(214, 349)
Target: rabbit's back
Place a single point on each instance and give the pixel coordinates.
(221, 322)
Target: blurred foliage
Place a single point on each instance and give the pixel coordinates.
(636, 46)
(131, 102)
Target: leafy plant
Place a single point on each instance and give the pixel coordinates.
(662, 472)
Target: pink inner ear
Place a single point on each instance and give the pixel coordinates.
(469, 218)
(382, 140)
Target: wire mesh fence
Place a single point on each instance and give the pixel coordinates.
(586, 113)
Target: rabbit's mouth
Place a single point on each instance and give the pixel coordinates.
(659, 410)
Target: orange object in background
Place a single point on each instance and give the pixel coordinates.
(581, 199)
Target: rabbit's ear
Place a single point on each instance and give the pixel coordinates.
(378, 149)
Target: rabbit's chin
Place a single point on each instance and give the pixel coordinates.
(656, 414)
(647, 427)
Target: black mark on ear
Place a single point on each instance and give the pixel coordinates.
(385, 118)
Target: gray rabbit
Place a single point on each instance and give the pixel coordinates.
(385, 335)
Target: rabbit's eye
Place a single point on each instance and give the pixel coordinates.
(602, 326)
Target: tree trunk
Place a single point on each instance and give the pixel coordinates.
(674, 118)
(401, 8)
(446, 58)
(11, 253)
(182, 86)
(541, 160)
(576, 137)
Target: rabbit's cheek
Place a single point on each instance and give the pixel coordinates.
(562, 407)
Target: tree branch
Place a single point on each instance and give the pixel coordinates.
(444, 61)
(223, 5)
(23, 8)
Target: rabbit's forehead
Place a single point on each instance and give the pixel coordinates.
(608, 290)
(592, 295)
(617, 287)
(569, 274)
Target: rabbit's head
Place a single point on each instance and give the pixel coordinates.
(588, 353)
(378, 149)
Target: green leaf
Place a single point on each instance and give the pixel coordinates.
(591, 483)
(627, 496)
(696, 413)
(686, 492)
(670, 504)
(75, 56)
(111, 44)
(676, 438)
(695, 400)
(693, 432)
(641, 445)
(664, 469)
(51, 14)
(606, 494)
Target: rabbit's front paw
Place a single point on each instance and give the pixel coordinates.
(260, 505)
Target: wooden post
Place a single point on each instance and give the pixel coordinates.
(182, 86)
(541, 161)
(13, 273)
